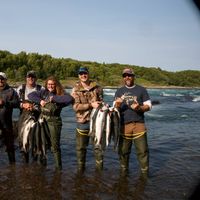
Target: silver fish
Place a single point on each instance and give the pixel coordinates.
(100, 124)
(25, 131)
(108, 128)
(115, 132)
(93, 116)
(41, 137)
(105, 126)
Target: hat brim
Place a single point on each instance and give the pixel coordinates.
(83, 72)
(2, 78)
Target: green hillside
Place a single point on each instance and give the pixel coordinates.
(107, 74)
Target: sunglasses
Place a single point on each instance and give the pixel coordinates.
(83, 73)
(129, 75)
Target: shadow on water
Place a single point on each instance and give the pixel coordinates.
(25, 181)
(195, 193)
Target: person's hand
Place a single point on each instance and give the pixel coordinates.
(135, 105)
(118, 102)
(27, 106)
(1, 102)
(43, 103)
(51, 98)
(96, 104)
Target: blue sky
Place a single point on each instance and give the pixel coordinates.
(149, 33)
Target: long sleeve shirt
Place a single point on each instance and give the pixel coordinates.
(11, 100)
(59, 100)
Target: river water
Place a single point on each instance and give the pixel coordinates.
(173, 137)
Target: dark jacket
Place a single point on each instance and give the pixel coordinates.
(11, 100)
(59, 101)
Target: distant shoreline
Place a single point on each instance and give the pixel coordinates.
(156, 87)
(70, 86)
(147, 87)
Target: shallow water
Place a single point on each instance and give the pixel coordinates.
(173, 137)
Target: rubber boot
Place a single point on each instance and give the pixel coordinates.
(58, 162)
(11, 157)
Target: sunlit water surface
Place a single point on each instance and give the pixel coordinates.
(173, 137)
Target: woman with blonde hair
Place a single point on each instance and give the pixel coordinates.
(51, 100)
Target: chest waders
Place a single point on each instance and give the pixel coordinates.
(6, 127)
(82, 141)
(23, 115)
(52, 116)
(142, 153)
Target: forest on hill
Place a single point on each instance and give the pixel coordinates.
(17, 65)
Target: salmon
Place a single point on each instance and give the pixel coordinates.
(105, 126)
(25, 132)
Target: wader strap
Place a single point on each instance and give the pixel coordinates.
(133, 136)
(82, 132)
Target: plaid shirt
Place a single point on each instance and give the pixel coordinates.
(83, 98)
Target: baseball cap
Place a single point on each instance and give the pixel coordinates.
(128, 71)
(83, 69)
(31, 74)
(3, 75)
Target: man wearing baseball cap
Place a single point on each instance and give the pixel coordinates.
(8, 101)
(3, 75)
(133, 101)
(87, 95)
(27, 108)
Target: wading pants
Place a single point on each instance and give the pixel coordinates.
(8, 138)
(82, 142)
(142, 152)
(55, 126)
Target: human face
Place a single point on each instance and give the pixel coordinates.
(83, 76)
(128, 79)
(31, 80)
(2, 82)
(51, 86)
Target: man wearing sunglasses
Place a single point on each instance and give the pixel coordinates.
(133, 101)
(27, 108)
(8, 101)
(87, 95)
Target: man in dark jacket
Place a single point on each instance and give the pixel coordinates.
(8, 101)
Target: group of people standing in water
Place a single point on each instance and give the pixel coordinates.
(41, 106)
